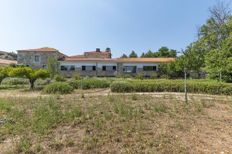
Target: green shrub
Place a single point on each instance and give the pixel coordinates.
(139, 76)
(59, 78)
(2, 76)
(193, 86)
(15, 81)
(41, 83)
(89, 83)
(58, 88)
(122, 86)
(76, 76)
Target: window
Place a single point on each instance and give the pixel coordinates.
(129, 69)
(88, 68)
(72, 68)
(109, 68)
(63, 68)
(104, 68)
(44, 66)
(37, 58)
(149, 68)
(114, 68)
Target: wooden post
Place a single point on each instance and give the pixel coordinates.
(185, 86)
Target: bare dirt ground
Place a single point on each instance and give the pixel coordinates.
(134, 123)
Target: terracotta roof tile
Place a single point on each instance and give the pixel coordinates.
(77, 56)
(158, 60)
(129, 60)
(89, 59)
(44, 49)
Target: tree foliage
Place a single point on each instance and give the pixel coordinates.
(162, 52)
(52, 67)
(133, 54)
(212, 51)
(27, 72)
(124, 56)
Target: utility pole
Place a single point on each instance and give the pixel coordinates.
(185, 85)
(220, 76)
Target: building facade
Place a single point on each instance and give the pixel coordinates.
(92, 63)
(38, 58)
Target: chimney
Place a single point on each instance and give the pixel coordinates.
(98, 50)
(108, 49)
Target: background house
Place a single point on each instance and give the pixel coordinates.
(91, 63)
(38, 58)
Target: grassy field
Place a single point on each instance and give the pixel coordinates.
(89, 122)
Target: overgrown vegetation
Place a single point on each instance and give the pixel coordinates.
(58, 88)
(193, 86)
(24, 72)
(100, 124)
(90, 83)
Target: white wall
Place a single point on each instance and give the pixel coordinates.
(80, 64)
(140, 65)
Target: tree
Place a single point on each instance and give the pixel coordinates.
(142, 55)
(149, 54)
(173, 69)
(124, 56)
(29, 73)
(133, 54)
(219, 61)
(165, 52)
(52, 66)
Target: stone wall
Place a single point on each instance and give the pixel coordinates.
(28, 58)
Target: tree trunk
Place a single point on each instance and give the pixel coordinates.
(32, 84)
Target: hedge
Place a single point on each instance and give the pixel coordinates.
(90, 83)
(15, 81)
(58, 88)
(208, 87)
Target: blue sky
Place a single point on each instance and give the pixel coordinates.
(75, 26)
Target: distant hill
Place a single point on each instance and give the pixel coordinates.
(8, 55)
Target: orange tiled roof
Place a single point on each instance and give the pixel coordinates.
(158, 60)
(77, 56)
(44, 49)
(7, 62)
(129, 60)
(89, 59)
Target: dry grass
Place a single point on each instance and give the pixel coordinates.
(136, 123)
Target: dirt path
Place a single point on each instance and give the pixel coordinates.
(106, 92)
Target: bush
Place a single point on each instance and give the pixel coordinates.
(40, 83)
(139, 76)
(15, 81)
(194, 86)
(58, 88)
(89, 83)
(59, 78)
(2, 76)
(122, 86)
(76, 76)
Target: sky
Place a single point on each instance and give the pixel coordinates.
(75, 26)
